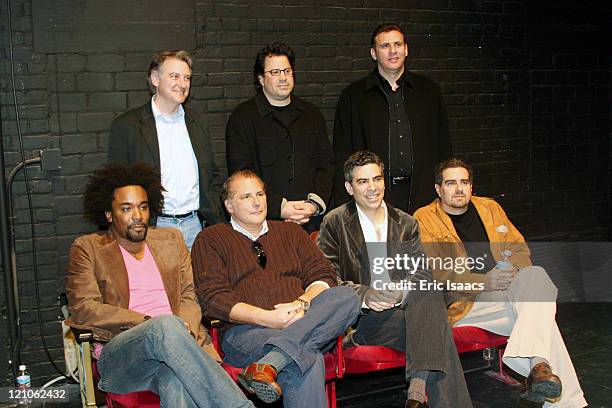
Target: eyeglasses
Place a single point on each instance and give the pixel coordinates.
(277, 72)
(260, 253)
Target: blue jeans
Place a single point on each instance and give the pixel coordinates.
(302, 381)
(189, 226)
(160, 355)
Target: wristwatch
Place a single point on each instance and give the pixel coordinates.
(305, 304)
(316, 205)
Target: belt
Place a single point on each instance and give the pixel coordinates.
(401, 179)
(189, 214)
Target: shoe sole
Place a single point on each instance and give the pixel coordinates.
(545, 390)
(264, 391)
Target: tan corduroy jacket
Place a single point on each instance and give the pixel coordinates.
(98, 290)
(440, 239)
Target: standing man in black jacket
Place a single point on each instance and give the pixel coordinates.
(398, 115)
(174, 140)
(284, 140)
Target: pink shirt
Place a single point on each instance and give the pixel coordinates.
(147, 292)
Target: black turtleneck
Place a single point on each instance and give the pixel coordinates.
(473, 234)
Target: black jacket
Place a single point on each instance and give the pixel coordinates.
(362, 122)
(291, 161)
(133, 138)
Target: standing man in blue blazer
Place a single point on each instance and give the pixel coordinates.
(174, 140)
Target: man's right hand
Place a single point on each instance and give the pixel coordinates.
(498, 279)
(281, 317)
(379, 300)
(297, 211)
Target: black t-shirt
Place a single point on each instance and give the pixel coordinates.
(285, 114)
(474, 236)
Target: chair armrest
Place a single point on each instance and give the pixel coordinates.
(213, 326)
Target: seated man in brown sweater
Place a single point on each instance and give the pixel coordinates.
(278, 293)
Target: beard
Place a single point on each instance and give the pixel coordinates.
(137, 236)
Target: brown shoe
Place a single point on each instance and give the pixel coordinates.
(260, 379)
(542, 384)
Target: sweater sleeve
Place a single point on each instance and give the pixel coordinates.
(211, 276)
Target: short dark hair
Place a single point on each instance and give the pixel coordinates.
(452, 163)
(274, 49)
(161, 56)
(244, 173)
(100, 190)
(385, 28)
(358, 159)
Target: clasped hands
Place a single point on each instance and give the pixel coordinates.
(284, 314)
(379, 300)
(298, 211)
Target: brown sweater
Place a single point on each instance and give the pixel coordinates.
(226, 270)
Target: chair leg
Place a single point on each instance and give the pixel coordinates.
(501, 374)
(86, 383)
(330, 389)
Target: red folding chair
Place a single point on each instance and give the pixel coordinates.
(334, 369)
(366, 359)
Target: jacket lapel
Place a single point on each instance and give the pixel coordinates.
(357, 239)
(148, 130)
(113, 271)
(166, 264)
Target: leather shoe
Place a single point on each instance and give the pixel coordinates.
(260, 379)
(542, 385)
(415, 404)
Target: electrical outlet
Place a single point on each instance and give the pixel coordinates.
(50, 159)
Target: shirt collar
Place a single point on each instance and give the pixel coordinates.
(365, 221)
(243, 231)
(172, 117)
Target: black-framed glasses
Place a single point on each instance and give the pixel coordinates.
(277, 72)
(260, 254)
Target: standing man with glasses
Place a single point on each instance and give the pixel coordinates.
(277, 293)
(398, 115)
(174, 140)
(284, 140)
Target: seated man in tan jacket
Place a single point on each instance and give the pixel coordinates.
(133, 287)
(500, 291)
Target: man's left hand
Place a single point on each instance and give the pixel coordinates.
(296, 306)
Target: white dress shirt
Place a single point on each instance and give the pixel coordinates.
(179, 166)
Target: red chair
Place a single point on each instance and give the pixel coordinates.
(334, 368)
(470, 338)
(140, 399)
(365, 359)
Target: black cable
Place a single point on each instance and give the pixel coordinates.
(17, 346)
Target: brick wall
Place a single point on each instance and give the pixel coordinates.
(532, 119)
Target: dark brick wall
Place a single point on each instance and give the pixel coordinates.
(531, 116)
